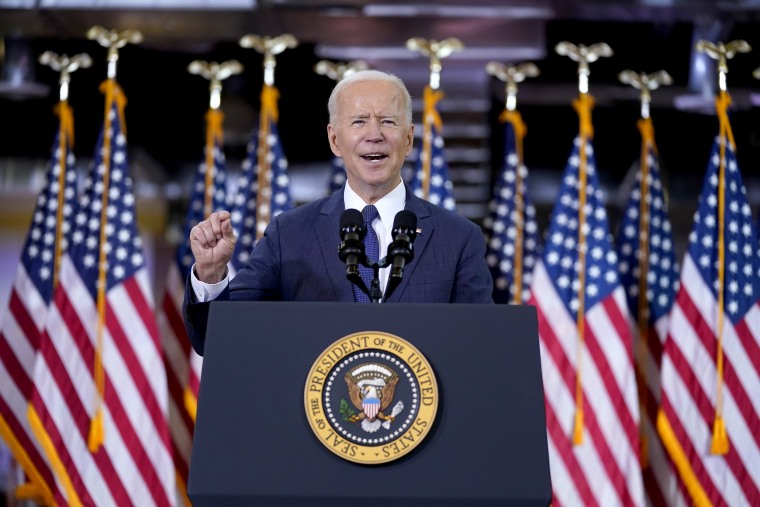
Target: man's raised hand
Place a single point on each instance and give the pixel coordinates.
(213, 243)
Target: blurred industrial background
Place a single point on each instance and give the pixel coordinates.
(166, 104)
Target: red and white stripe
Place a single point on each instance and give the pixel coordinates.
(661, 483)
(689, 378)
(183, 372)
(134, 464)
(19, 339)
(604, 469)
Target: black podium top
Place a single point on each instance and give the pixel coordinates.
(253, 444)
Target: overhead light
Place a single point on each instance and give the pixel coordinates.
(508, 53)
(458, 11)
(18, 81)
(141, 4)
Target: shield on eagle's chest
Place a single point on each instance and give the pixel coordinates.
(371, 407)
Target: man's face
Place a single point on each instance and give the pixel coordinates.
(372, 136)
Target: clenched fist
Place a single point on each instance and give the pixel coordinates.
(213, 243)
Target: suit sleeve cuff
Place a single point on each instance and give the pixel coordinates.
(207, 291)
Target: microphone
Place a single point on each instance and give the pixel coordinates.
(351, 249)
(400, 250)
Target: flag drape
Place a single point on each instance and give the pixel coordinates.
(431, 180)
(709, 415)
(586, 344)
(649, 274)
(264, 185)
(22, 324)
(183, 365)
(337, 175)
(99, 404)
(511, 226)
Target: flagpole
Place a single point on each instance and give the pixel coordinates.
(269, 47)
(37, 487)
(645, 84)
(722, 53)
(65, 66)
(511, 75)
(114, 95)
(215, 73)
(435, 50)
(583, 105)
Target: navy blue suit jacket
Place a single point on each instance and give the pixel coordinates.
(297, 260)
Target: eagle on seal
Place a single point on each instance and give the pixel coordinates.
(371, 388)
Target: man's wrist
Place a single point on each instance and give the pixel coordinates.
(207, 291)
(210, 277)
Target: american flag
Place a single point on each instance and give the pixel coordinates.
(99, 404)
(21, 326)
(183, 365)
(648, 266)
(709, 418)
(586, 347)
(264, 185)
(338, 175)
(511, 227)
(431, 176)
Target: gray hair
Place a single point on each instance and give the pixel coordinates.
(368, 75)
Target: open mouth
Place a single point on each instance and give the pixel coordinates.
(374, 157)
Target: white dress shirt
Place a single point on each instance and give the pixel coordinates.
(387, 207)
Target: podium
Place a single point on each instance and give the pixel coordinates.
(253, 444)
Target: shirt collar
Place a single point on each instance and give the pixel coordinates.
(388, 206)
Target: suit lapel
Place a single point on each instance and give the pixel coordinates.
(328, 234)
(425, 225)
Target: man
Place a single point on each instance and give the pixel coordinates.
(297, 259)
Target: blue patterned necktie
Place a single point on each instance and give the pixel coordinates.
(371, 248)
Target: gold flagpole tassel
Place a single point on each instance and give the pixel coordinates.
(645, 83)
(583, 105)
(338, 70)
(511, 75)
(215, 73)
(722, 53)
(435, 50)
(114, 41)
(269, 47)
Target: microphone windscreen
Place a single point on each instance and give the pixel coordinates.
(351, 218)
(405, 219)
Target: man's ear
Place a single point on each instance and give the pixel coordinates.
(410, 140)
(332, 137)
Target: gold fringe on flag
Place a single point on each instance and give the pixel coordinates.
(431, 117)
(114, 95)
(269, 114)
(519, 128)
(65, 142)
(647, 139)
(214, 119)
(583, 105)
(719, 437)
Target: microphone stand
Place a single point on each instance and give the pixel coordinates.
(374, 292)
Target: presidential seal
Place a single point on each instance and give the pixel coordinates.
(371, 397)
